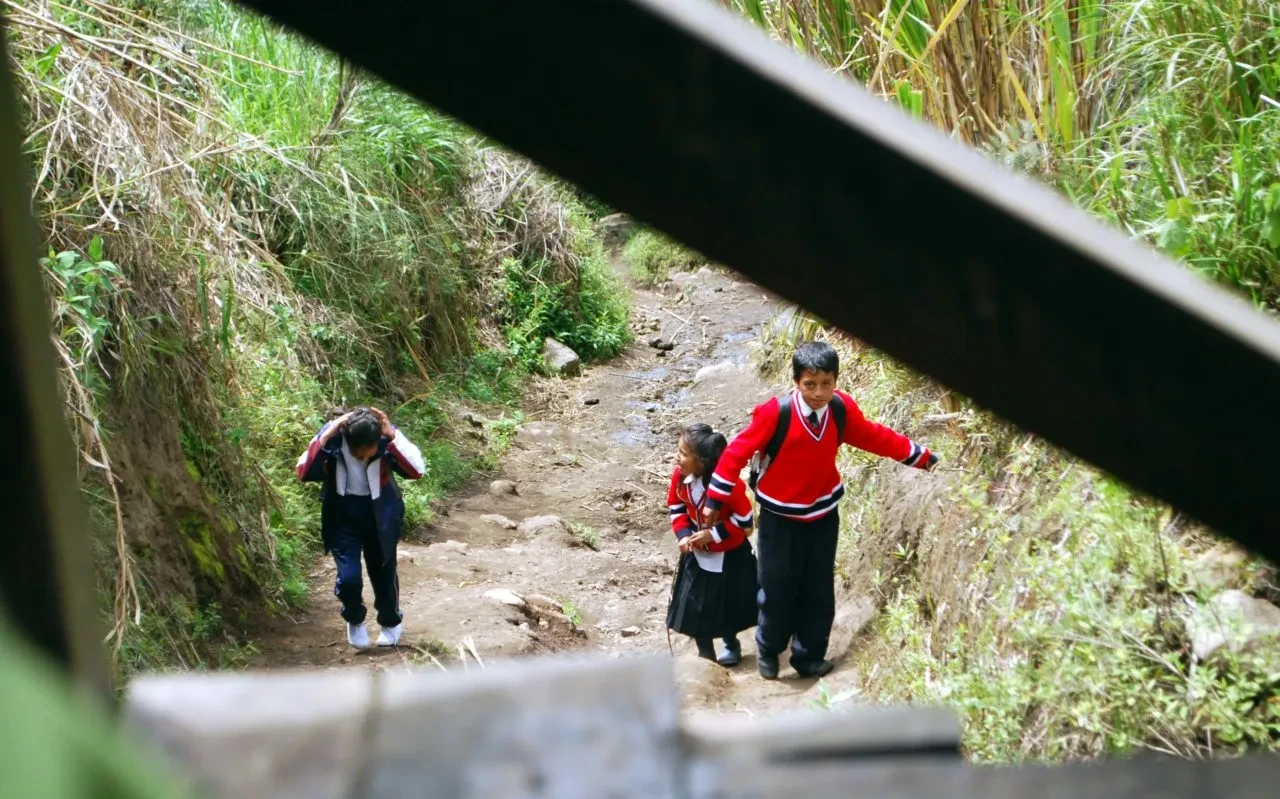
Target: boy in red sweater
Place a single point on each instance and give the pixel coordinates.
(792, 444)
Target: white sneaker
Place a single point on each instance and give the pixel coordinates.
(390, 636)
(358, 635)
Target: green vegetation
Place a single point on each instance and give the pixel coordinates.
(585, 535)
(245, 233)
(653, 257)
(1046, 603)
(1161, 117)
(1049, 605)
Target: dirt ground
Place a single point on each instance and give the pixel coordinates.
(596, 456)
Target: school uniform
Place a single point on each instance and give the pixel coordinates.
(361, 510)
(799, 526)
(715, 589)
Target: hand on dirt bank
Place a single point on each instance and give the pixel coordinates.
(387, 429)
(700, 540)
(335, 427)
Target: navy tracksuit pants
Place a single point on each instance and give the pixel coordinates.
(797, 586)
(358, 531)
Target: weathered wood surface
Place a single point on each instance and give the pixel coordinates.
(585, 729)
(680, 114)
(46, 584)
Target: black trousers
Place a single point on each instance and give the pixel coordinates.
(359, 532)
(797, 586)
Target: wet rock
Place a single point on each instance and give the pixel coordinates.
(662, 344)
(1234, 620)
(503, 488)
(474, 420)
(499, 521)
(504, 597)
(629, 632)
(590, 401)
(560, 360)
(716, 371)
(449, 546)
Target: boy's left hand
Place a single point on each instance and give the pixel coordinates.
(387, 429)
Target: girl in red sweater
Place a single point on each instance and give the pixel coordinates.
(715, 589)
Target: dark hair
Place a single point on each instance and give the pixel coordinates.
(707, 446)
(815, 356)
(363, 428)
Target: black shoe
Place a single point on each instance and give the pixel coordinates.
(820, 669)
(730, 655)
(767, 666)
(706, 648)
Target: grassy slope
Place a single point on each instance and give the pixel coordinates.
(243, 234)
(1045, 602)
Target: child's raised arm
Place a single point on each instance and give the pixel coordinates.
(311, 466)
(861, 432)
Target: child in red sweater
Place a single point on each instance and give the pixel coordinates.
(792, 444)
(715, 590)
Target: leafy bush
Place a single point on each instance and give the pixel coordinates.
(653, 257)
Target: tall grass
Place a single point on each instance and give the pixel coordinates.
(1161, 116)
(245, 232)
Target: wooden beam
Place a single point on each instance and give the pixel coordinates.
(46, 583)
(692, 121)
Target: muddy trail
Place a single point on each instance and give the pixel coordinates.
(569, 548)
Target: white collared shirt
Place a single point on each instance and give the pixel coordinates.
(357, 475)
(805, 410)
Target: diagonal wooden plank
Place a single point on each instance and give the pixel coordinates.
(683, 116)
(45, 576)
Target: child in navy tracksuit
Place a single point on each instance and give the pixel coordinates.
(792, 444)
(715, 590)
(355, 456)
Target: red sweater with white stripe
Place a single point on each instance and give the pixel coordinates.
(686, 514)
(803, 482)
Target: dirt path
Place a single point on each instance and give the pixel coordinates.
(598, 458)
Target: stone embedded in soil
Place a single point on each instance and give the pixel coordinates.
(449, 546)
(629, 632)
(537, 526)
(499, 521)
(590, 400)
(560, 360)
(1221, 568)
(505, 597)
(660, 343)
(474, 420)
(503, 488)
(1236, 621)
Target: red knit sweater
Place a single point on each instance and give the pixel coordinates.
(803, 482)
(686, 515)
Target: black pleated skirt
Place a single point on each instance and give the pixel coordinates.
(709, 605)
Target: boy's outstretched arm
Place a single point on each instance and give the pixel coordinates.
(861, 432)
(744, 445)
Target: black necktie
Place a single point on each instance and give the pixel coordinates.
(813, 419)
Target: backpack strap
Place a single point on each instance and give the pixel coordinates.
(780, 430)
(763, 458)
(840, 414)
